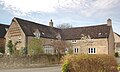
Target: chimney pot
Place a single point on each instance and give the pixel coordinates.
(109, 22)
(51, 23)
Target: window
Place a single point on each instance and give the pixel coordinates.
(99, 33)
(92, 50)
(58, 37)
(74, 41)
(76, 50)
(37, 33)
(48, 49)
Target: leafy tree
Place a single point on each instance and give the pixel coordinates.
(10, 47)
(35, 46)
(64, 26)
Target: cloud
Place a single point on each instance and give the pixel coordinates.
(88, 8)
(26, 6)
(81, 7)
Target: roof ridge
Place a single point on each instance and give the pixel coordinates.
(86, 26)
(34, 22)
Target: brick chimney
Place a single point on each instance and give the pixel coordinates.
(109, 22)
(51, 23)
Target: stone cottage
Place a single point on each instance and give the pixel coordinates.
(97, 39)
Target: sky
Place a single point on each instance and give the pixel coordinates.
(78, 13)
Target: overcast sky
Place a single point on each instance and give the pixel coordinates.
(75, 12)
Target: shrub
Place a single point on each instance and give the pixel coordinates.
(89, 63)
(116, 54)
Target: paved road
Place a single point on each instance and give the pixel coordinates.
(44, 69)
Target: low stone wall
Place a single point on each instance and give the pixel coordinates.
(28, 61)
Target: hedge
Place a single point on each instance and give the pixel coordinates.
(89, 63)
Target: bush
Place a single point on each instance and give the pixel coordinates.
(89, 63)
(116, 54)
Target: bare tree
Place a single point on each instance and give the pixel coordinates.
(64, 26)
(60, 46)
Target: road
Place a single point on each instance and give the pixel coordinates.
(43, 69)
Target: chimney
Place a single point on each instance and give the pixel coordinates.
(51, 23)
(109, 22)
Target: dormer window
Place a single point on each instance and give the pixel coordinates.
(99, 34)
(43, 33)
(58, 37)
(74, 41)
(37, 33)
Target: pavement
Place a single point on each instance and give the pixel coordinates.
(42, 69)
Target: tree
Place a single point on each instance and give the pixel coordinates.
(61, 45)
(10, 47)
(35, 46)
(64, 26)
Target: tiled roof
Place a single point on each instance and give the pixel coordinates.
(29, 28)
(98, 31)
(3, 31)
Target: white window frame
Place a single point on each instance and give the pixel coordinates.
(48, 49)
(74, 41)
(92, 51)
(76, 50)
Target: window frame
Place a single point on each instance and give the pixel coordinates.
(74, 41)
(92, 51)
(76, 50)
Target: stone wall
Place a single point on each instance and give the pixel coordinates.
(83, 46)
(15, 34)
(33, 61)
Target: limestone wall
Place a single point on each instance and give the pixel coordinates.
(27, 61)
(15, 34)
(83, 46)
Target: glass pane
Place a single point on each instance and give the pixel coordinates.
(89, 50)
(77, 50)
(94, 50)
